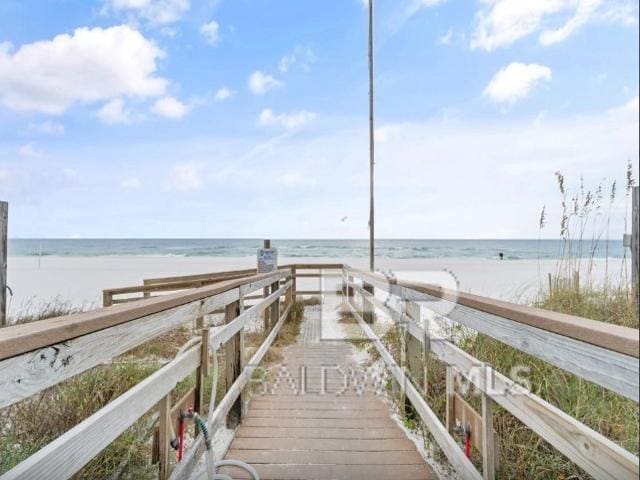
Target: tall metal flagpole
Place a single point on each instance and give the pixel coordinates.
(371, 141)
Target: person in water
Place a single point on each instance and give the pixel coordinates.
(501, 256)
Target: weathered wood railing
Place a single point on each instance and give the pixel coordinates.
(604, 354)
(39, 355)
(152, 286)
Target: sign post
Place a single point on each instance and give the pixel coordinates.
(267, 262)
(267, 258)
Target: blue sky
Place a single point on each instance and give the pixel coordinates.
(186, 118)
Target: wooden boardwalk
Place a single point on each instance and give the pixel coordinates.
(319, 431)
(338, 434)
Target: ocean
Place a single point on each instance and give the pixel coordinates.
(511, 249)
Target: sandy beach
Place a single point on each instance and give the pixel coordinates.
(80, 280)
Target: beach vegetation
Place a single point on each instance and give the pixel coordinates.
(571, 289)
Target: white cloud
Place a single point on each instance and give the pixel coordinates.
(288, 121)
(89, 66)
(260, 83)
(427, 3)
(114, 113)
(627, 111)
(186, 178)
(302, 56)
(386, 133)
(296, 180)
(515, 81)
(406, 9)
(47, 127)
(29, 151)
(446, 38)
(211, 32)
(169, 32)
(169, 107)
(584, 12)
(223, 94)
(69, 174)
(159, 12)
(131, 183)
(451, 37)
(501, 22)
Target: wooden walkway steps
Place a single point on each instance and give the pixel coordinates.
(338, 434)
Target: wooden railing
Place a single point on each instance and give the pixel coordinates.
(39, 355)
(604, 354)
(153, 286)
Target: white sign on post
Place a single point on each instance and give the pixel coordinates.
(267, 260)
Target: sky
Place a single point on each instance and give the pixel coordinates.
(248, 118)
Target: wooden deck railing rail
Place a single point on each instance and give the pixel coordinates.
(39, 355)
(164, 285)
(604, 354)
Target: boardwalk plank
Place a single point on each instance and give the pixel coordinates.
(309, 432)
(343, 445)
(336, 472)
(329, 457)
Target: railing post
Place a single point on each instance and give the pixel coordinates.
(164, 436)
(347, 291)
(488, 439)
(233, 360)
(367, 307)
(417, 356)
(450, 396)
(4, 220)
(265, 294)
(202, 372)
(241, 296)
(293, 284)
(275, 306)
(107, 298)
(635, 241)
(289, 297)
(404, 402)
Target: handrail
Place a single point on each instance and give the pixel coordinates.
(168, 284)
(588, 449)
(606, 335)
(610, 369)
(199, 276)
(448, 445)
(185, 468)
(53, 359)
(176, 285)
(18, 339)
(70, 452)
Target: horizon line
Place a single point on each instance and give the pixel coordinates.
(364, 239)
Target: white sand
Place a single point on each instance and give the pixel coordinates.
(80, 280)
